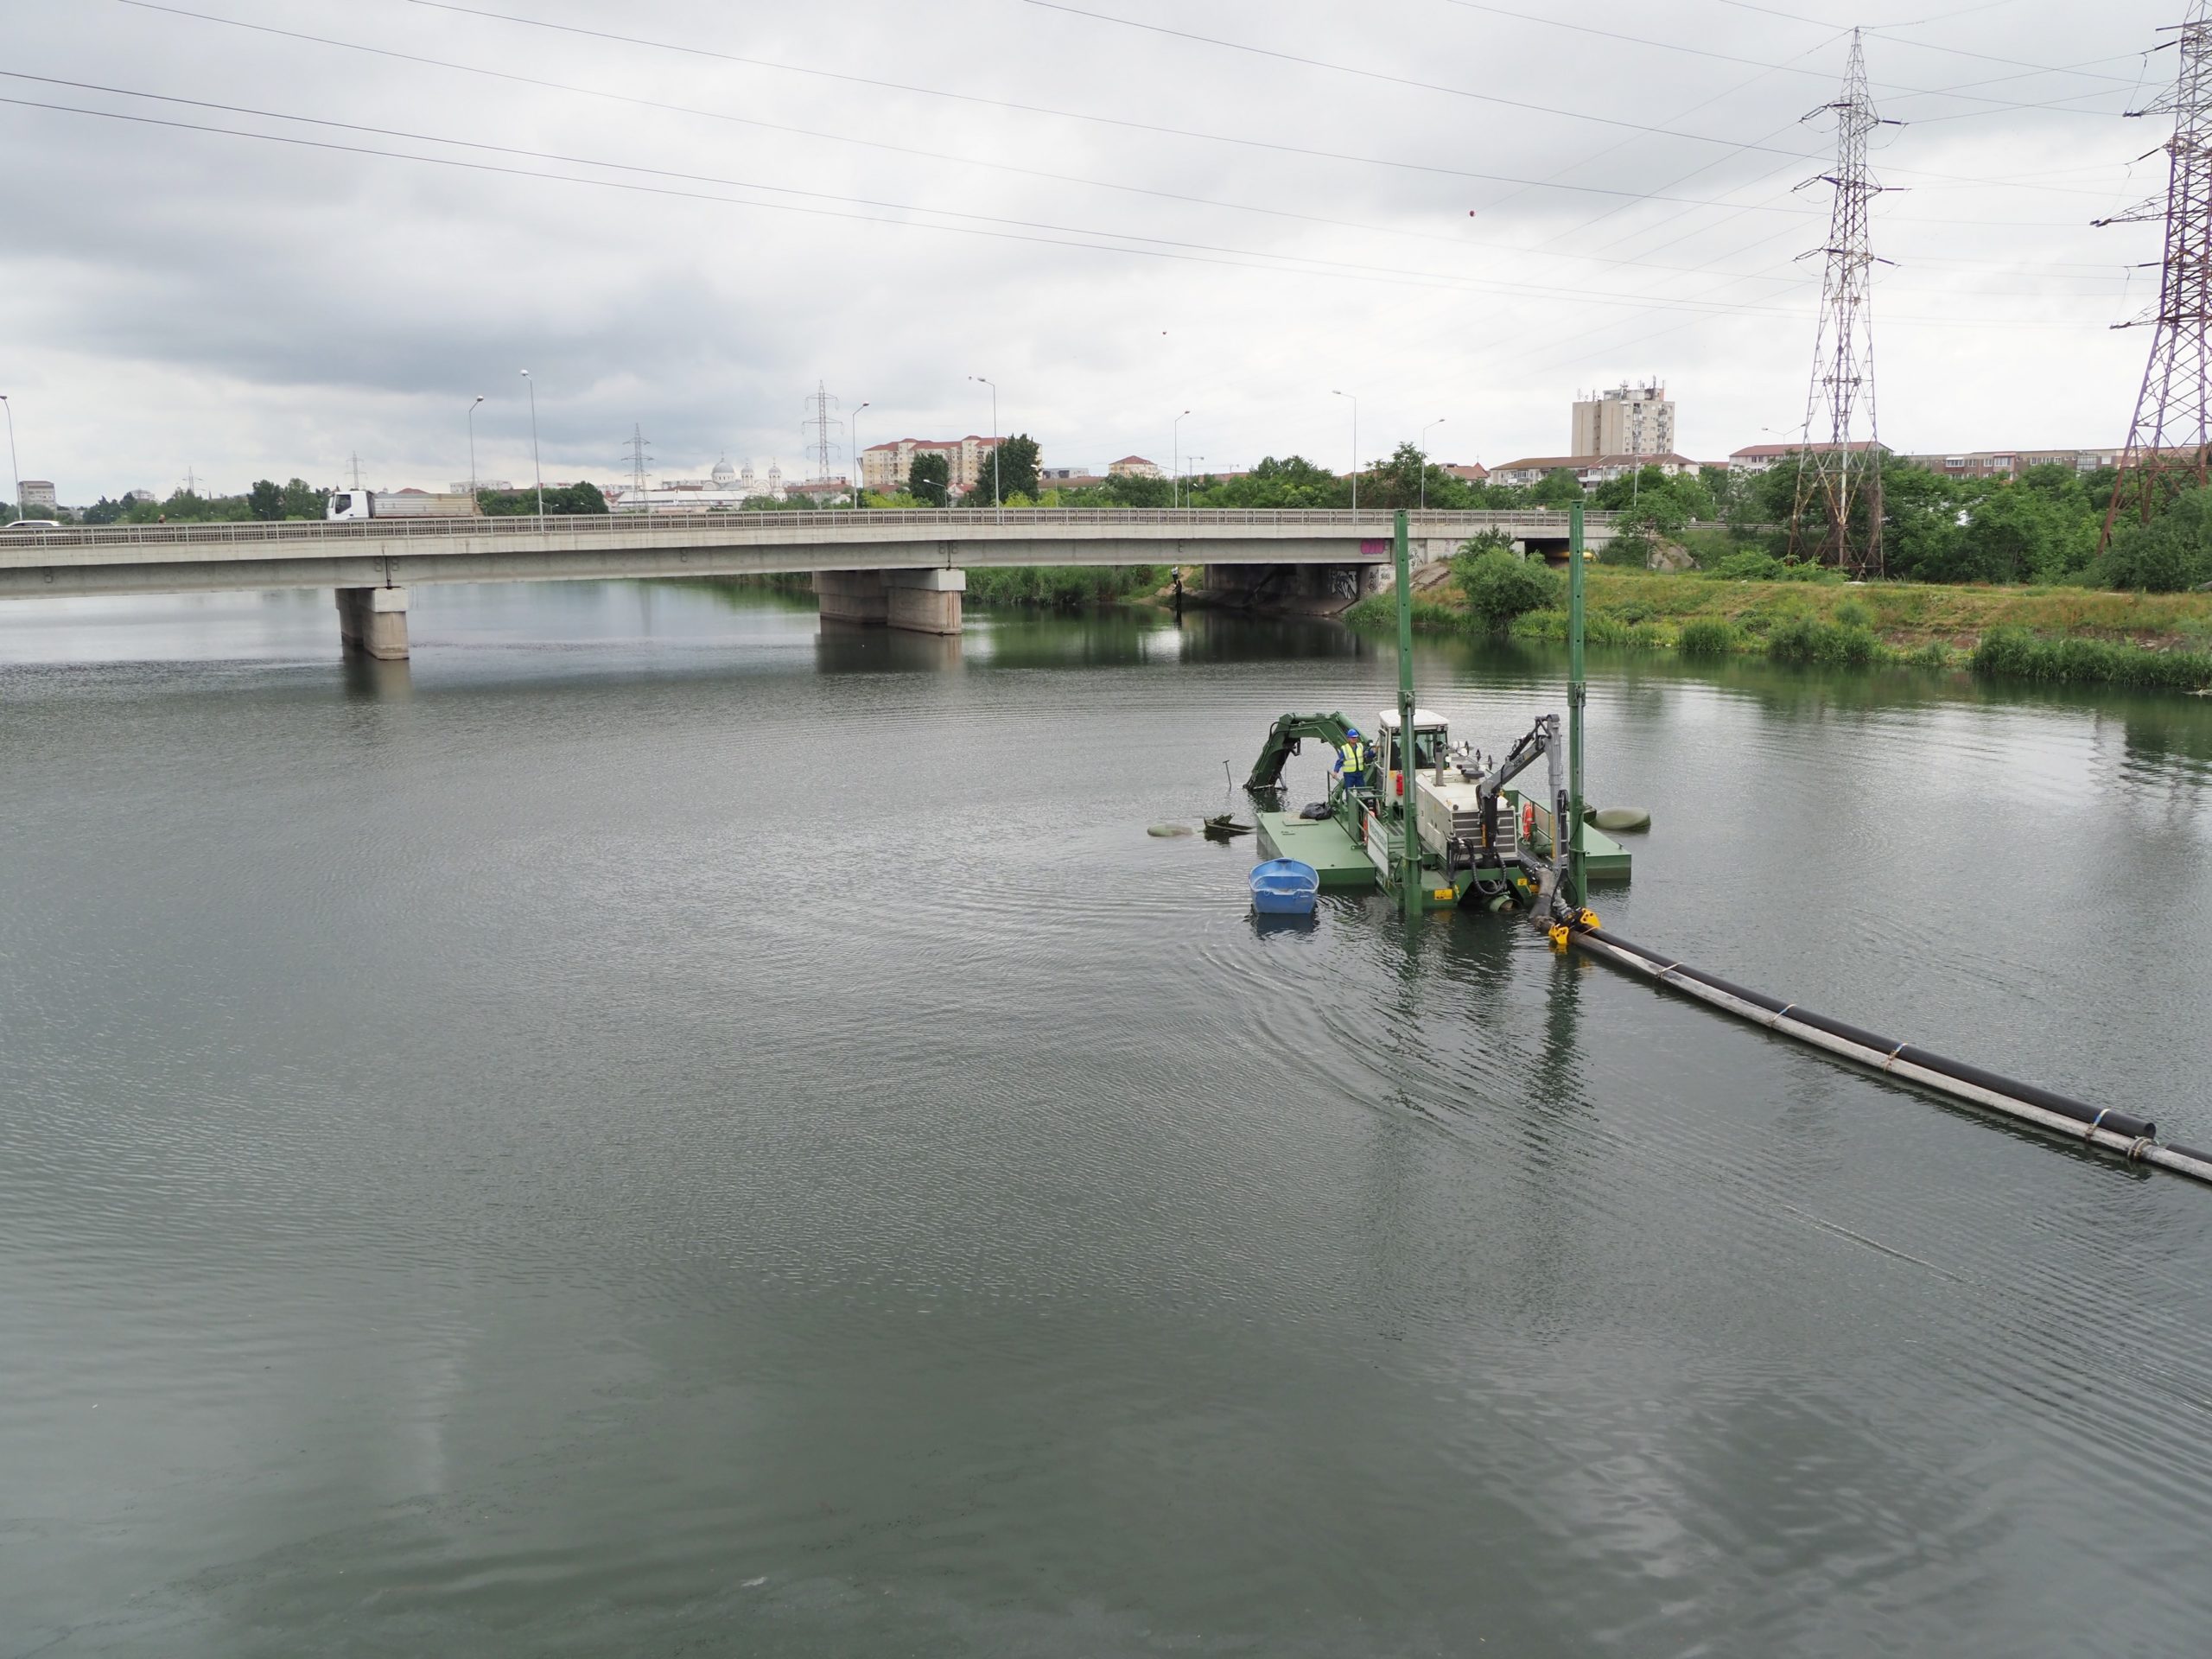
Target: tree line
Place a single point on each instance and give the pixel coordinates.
(2042, 527)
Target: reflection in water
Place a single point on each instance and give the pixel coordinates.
(559, 1194)
(856, 648)
(373, 679)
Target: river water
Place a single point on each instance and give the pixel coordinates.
(649, 1131)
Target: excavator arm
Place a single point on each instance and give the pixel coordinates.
(1283, 738)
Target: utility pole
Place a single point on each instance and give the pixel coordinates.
(636, 446)
(993, 385)
(473, 493)
(536, 467)
(1354, 447)
(1577, 693)
(1409, 888)
(2173, 411)
(14, 466)
(857, 481)
(1832, 477)
(1175, 460)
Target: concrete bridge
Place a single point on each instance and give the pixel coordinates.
(898, 568)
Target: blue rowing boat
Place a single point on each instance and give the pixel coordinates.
(1283, 887)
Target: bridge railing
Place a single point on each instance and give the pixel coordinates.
(832, 523)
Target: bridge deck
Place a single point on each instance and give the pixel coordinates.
(168, 558)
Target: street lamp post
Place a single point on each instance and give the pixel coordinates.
(1175, 460)
(856, 456)
(15, 469)
(1354, 447)
(472, 491)
(537, 470)
(993, 385)
(1425, 431)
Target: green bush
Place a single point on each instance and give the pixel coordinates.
(1706, 636)
(1750, 565)
(1803, 639)
(1629, 548)
(1548, 623)
(1852, 614)
(2173, 551)
(1934, 654)
(2015, 653)
(1500, 586)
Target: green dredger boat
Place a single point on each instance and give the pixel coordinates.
(1480, 842)
(1438, 826)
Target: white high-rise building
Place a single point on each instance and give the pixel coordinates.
(1625, 420)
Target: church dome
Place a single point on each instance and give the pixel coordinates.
(724, 475)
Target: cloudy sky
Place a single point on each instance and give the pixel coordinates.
(681, 215)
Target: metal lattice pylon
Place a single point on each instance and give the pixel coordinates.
(2173, 411)
(639, 460)
(823, 424)
(1838, 473)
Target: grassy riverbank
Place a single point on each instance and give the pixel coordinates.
(2069, 634)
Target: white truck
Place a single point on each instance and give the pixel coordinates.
(399, 503)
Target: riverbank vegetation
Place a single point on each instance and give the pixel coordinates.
(2059, 633)
(1064, 587)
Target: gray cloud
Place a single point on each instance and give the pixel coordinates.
(176, 298)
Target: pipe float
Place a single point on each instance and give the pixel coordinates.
(2135, 1139)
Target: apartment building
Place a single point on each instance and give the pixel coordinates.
(1627, 420)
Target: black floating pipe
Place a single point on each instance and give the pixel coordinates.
(2134, 1138)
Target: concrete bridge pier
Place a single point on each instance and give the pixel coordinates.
(921, 601)
(373, 620)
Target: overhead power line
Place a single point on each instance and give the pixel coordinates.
(1575, 28)
(1925, 46)
(1388, 78)
(1232, 139)
(560, 159)
(1733, 146)
(1098, 242)
(1044, 232)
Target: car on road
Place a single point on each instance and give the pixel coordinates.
(36, 523)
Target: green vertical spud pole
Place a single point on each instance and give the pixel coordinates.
(1409, 862)
(1576, 691)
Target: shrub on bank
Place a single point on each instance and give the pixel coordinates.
(1706, 636)
(2017, 654)
(1499, 586)
(1752, 565)
(1803, 638)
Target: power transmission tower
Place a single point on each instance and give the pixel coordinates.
(821, 424)
(1837, 475)
(357, 470)
(2173, 411)
(636, 446)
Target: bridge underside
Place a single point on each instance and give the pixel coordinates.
(1320, 589)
